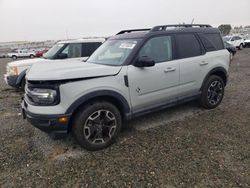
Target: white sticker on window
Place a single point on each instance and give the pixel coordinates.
(127, 45)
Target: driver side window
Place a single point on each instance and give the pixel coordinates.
(158, 49)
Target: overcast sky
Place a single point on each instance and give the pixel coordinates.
(60, 19)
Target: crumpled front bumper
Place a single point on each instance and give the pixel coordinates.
(46, 123)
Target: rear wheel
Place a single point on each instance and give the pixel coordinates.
(14, 57)
(212, 92)
(96, 125)
(32, 56)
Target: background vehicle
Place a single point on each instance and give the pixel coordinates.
(247, 42)
(232, 49)
(21, 53)
(3, 55)
(39, 53)
(131, 74)
(236, 41)
(79, 49)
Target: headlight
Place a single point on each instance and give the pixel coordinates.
(39, 96)
(13, 71)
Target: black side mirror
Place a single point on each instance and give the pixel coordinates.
(144, 62)
(62, 56)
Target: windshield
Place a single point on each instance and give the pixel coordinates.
(113, 52)
(52, 51)
(226, 38)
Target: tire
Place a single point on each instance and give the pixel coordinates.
(96, 125)
(241, 46)
(14, 57)
(212, 92)
(32, 56)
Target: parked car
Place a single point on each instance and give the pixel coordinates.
(247, 42)
(3, 55)
(21, 53)
(236, 41)
(40, 53)
(232, 49)
(131, 74)
(79, 49)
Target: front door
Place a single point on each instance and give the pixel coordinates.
(154, 86)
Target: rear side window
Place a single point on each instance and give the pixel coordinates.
(158, 48)
(188, 46)
(212, 41)
(89, 48)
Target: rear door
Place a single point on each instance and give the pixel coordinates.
(192, 62)
(154, 86)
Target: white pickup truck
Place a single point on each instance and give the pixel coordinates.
(22, 53)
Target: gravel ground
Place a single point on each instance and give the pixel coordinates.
(184, 146)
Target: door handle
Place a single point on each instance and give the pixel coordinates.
(203, 63)
(169, 69)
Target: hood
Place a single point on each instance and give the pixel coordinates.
(69, 69)
(25, 62)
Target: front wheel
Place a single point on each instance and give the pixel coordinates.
(212, 92)
(241, 46)
(32, 56)
(96, 125)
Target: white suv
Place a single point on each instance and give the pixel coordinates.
(236, 41)
(78, 49)
(131, 74)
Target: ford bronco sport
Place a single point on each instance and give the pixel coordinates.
(131, 74)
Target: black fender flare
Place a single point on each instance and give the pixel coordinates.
(214, 71)
(101, 93)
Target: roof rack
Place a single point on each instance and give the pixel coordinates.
(164, 27)
(132, 30)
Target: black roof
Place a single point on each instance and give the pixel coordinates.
(164, 29)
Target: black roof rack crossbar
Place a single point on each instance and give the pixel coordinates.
(132, 30)
(164, 27)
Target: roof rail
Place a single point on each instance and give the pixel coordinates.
(132, 30)
(164, 27)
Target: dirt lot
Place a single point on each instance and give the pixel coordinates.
(183, 146)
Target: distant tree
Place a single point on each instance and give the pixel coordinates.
(225, 29)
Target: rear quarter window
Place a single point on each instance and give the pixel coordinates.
(212, 41)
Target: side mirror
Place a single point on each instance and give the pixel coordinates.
(62, 56)
(144, 62)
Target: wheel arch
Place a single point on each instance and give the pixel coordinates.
(20, 77)
(105, 95)
(219, 71)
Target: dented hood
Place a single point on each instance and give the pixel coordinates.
(69, 69)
